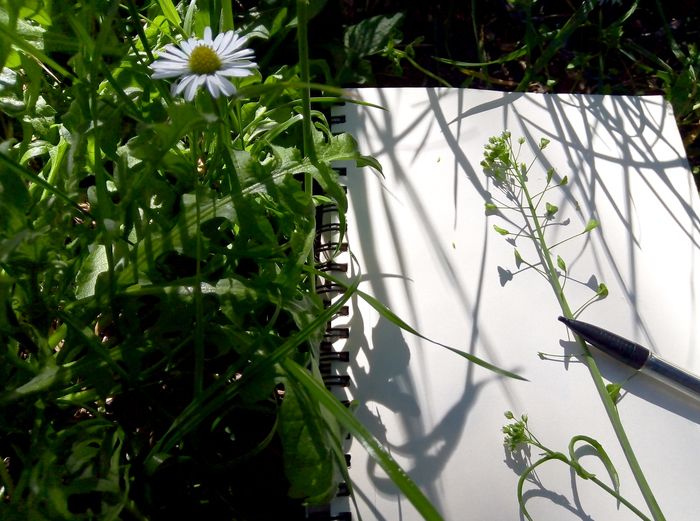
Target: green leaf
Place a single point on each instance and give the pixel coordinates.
(602, 291)
(389, 315)
(14, 201)
(556, 42)
(550, 174)
(564, 181)
(371, 35)
(170, 12)
(365, 438)
(518, 258)
(308, 460)
(29, 38)
(222, 392)
(551, 209)
(501, 230)
(561, 263)
(18, 170)
(47, 377)
(592, 224)
(490, 207)
(614, 391)
(94, 264)
(159, 139)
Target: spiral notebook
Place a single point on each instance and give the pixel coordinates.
(425, 246)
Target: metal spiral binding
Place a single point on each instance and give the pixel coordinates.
(326, 246)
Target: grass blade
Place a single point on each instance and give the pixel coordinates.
(170, 12)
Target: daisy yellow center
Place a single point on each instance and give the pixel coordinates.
(203, 60)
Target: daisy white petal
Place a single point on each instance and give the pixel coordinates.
(225, 42)
(238, 42)
(214, 85)
(184, 82)
(219, 38)
(207, 35)
(242, 65)
(226, 87)
(169, 64)
(243, 54)
(161, 75)
(173, 50)
(168, 71)
(235, 72)
(186, 47)
(172, 57)
(192, 87)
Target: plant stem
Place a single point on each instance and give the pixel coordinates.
(551, 455)
(308, 139)
(303, 49)
(425, 71)
(104, 200)
(198, 304)
(588, 359)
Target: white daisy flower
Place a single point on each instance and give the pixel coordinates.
(205, 62)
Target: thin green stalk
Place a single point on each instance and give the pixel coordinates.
(239, 116)
(104, 201)
(608, 403)
(133, 12)
(303, 49)
(56, 163)
(479, 43)
(198, 310)
(550, 455)
(425, 71)
(308, 140)
(620, 498)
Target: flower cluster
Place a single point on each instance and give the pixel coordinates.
(205, 62)
(516, 433)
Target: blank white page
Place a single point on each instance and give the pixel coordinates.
(426, 248)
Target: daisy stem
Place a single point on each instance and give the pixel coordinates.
(198, 303)
(239, 116)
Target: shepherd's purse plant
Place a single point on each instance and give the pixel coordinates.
(533, 214)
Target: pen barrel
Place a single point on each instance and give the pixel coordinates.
(673, 376)
(626, 351)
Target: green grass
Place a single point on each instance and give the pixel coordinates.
(154, 261)
(160, 328)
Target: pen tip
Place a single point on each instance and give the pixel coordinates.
(564, 320)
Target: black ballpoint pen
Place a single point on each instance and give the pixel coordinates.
(636, 356)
